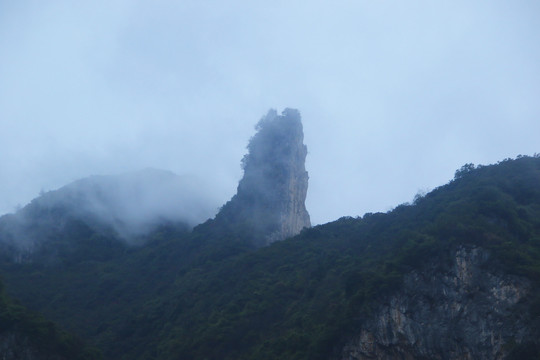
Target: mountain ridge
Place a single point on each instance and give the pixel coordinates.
(306, 297)
(465, 256)
(125, 207)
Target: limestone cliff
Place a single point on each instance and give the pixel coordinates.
(464, 312)
(270, 198)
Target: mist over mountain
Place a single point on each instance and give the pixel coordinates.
(270, 199)
(269, 204)
(453, 275)
(127, 206)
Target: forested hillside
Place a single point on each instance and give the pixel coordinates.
(210, 294)
(26, 336)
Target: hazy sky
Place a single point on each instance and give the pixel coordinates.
(394, 95)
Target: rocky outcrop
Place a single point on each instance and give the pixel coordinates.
(270, 198)
(465, 312)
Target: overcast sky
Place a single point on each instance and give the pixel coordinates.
(394, 95)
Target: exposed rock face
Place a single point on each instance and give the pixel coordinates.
(465, 313)
(271, 196)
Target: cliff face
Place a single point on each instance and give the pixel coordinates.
(467, 312)
(271, 196)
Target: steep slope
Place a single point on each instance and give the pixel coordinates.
(270, 200)
(454, 275)
(464, 311)
(119, 280)
(481, 300)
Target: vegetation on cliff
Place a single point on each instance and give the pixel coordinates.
(207, 294)
(24, 334)
(270, 201)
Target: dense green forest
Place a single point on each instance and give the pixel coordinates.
(29, 333)
(209, 294)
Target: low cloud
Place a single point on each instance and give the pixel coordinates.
(130, 204)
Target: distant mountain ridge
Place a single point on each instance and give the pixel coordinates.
(454, 275)
(126, 206)
(269, 203)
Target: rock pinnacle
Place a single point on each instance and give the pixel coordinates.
(271, 196)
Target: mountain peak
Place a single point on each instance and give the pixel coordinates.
(271, 196)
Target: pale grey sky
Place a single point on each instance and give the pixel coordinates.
(394, 95)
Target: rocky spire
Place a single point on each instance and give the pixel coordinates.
(271, 196)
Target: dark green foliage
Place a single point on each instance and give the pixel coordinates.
(44, 337)
(276, 154)
(527, 351)
(209, 294)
